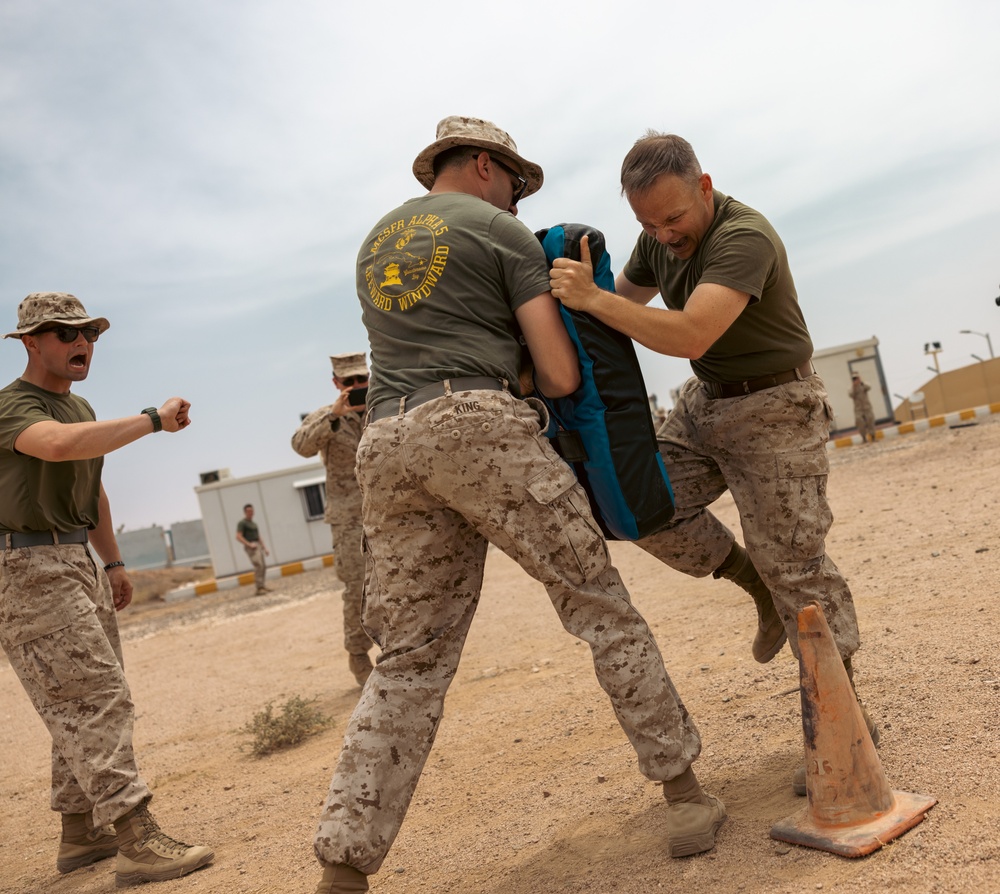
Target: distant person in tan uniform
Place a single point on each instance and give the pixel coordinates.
(248, 533)
(864, 415)
(333, 432)
(57, 608)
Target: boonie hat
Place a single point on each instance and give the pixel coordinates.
(345, 365)
(41, 308)
(457, 130)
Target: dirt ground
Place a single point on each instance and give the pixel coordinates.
(531, 786)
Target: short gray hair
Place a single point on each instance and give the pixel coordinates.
(656, 154)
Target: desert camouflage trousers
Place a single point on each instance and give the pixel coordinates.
(255, 552)
(59, 632)
(864, 419)
(769, 450)
(350, 566)
(439, 485)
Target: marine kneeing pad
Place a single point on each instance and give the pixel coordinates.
(604, 429)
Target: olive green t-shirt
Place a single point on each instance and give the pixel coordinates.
(439, 279)
(40, 495)
(248, 529)
(742, 251)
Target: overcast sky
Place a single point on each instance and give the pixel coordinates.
(202, 172)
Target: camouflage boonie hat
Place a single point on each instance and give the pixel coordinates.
(41, 308)
(457, 130)
(345, 365)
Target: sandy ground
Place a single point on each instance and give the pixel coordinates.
(531, 786)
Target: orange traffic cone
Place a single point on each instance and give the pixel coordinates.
(851, 810)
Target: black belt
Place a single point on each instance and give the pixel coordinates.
(391, 407)
(16, 540)
(738, 389)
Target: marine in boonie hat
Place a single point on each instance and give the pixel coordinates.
(42, 308)
(457, 130)
(348, 365)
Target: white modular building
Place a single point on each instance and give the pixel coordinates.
(288, 509)
(836, 366)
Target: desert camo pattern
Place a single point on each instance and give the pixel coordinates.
(769, 449)
(439, 484)
(864, 413)
(59, 632)
(255, 553)
(349, 564)
(337, 450)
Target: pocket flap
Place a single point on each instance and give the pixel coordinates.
(551, 482)
(802, 465)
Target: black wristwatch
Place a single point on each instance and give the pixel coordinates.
(152, 414)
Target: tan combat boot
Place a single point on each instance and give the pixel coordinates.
(799, 779)
(361, 666)
(693, 816)
(342, 879)
(81, 844)
(770, 636)
(145, 854)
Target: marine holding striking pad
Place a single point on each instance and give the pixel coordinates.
(604, 429)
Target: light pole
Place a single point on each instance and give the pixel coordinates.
(933, 348)
(986, 335)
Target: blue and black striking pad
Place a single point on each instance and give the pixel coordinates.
(604, 429)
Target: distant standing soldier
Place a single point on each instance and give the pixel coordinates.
(864, 415)
(248, 534)
(333, 432)
(58, 626)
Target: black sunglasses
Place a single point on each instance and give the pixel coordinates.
(69, 334)
(353, 380)
(522, 184)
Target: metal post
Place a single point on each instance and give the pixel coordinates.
(986, 335)
(933, 348)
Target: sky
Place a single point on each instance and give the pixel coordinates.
(203, 174)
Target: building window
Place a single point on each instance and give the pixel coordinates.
(313, 492)
(312, 495)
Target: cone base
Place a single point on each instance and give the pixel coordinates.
(857, 839)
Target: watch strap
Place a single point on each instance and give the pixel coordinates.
(152, 414)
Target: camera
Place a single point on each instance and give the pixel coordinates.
(357, 397)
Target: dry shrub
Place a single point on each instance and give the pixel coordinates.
(298, 720)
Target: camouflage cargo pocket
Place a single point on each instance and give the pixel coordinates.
(801, 516)
(67, 664)
(569, 547)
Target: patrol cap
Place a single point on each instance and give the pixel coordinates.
(457, 130)
(42, 308)
(348, 365)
